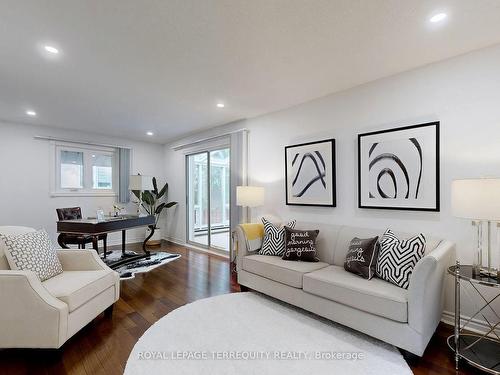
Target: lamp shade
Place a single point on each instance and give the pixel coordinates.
(140, 182)
(249, 196)
(477, 199)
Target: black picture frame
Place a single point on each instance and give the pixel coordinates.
(437, 206)
(332, 180)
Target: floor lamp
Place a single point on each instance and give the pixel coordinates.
(248, 197)
(479, 200)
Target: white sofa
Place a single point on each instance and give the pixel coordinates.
(404, 318)
(37, 314)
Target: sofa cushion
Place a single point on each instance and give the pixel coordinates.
(274, 238)
(300, 245)
(347, 233)
(75, 288)
(398, 258)
(283, 271)
(361, 257)
(374, 296)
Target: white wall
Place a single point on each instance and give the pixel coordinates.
(25, 181)
(463, 93)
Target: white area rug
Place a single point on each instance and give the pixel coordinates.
(248, 333)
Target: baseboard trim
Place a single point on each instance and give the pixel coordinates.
(475, 325)
(191, 246)
(177, 241)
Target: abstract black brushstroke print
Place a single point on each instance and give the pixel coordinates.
(320, 166)
(396, 165)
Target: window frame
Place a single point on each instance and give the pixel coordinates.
(87, 190)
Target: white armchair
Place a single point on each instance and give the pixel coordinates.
(37, 314)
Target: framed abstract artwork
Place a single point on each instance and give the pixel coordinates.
(399, 168)
(310, 174)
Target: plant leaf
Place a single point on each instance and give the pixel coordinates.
(148, 198)
(163, 191)
(170, 204)
(160, 208)
(137, 194)
(155, 186)
(146, 209)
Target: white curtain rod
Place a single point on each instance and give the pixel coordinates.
(194, 143)
(46, 138)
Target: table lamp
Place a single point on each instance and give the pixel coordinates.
(249, 196)
(140, 183)
(479, 200)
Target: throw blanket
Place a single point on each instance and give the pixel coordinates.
(254, 233)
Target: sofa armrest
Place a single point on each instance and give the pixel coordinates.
(30, 316)
(80, 260)
(426, 290)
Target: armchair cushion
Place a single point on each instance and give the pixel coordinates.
(75, 288)
(32, 251)
(9, 231)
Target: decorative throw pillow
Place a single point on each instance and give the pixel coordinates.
(398, 258)
(274, 238)
(361, 257)
(33, 251)
(300, 245)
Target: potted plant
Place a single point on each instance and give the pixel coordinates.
(153, 203)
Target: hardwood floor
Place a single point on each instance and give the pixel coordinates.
(103, 346)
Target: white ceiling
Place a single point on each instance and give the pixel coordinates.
(130, 66)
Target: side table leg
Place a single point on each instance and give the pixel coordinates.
(457, 314)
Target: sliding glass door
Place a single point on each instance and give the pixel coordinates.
(197, 198)
(208, 199)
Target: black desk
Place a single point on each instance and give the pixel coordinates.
(93, 227)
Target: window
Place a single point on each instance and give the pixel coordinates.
(71, 169)
(84, 170)
(102, 171)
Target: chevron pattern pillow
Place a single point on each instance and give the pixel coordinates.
(397, 258)
(274, 238)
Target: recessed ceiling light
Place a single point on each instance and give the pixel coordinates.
(220, 105)
(51, 49)
(31, 113)
(149, 133)
(438, 17)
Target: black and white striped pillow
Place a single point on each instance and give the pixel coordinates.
(397, 258)
(274, 238)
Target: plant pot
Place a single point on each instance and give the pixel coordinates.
(156, 239)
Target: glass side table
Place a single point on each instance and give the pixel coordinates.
(479, 350)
